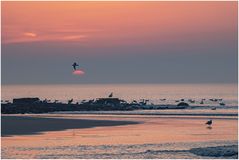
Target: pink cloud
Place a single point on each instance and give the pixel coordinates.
(30, 34)
(11, 36)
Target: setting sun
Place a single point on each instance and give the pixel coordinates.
(78, 72)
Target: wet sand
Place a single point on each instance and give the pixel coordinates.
(25, 125)
(138, 137)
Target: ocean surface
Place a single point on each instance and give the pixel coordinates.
(128, 92)
(175, 134)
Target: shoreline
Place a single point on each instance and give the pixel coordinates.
(28, 125)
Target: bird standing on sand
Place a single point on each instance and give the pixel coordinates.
(209, 122)
(74, 65)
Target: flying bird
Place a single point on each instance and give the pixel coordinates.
(74, 65)
(209, 122)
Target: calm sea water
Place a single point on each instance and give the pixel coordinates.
(129, 92)
(157, 137)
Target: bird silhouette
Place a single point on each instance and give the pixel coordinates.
(70, 101)
(214, 108)
(222, 104)
(202, 101)
(74, 65)
(209, 122)
(111, 94)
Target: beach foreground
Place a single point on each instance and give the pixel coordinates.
(118, 136)
(16, 125)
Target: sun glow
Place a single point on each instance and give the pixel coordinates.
(78, 72)
(30, 34)
(104, 23)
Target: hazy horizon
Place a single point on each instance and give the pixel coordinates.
(120, 84)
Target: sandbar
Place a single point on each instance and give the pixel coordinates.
(25, 125)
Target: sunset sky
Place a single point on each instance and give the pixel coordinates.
(119, 42)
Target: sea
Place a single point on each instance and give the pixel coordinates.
(158, 94)
(165, 134)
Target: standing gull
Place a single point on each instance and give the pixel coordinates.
(209, 122)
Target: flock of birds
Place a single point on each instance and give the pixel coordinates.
(202, 101)
(209, 122)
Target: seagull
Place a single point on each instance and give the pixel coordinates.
(74, 65)
(209, 122)
(111, 94)
(202, 102)
(70, 101)
(191, 101)
(222, 104)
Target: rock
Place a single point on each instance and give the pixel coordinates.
(219, 151)
(25, 100)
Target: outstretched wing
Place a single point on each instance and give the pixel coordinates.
(74, 65)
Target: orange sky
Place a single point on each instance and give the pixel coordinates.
(114, 23)
(136, 42)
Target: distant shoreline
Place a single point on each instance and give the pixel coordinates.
(26, 125)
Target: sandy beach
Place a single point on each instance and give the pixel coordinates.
(114, 136)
